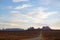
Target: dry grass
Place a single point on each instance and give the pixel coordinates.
(19, 35)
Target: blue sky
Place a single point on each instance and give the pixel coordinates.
(26, 13)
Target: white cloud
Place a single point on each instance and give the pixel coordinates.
(15, 12)
(36, 16)
(56, 24)
(19, 17)
(50, 2)
(45, 15)
(19, 0)
(23, 6)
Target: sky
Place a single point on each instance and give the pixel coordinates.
(29, 13)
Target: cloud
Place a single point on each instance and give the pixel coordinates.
(45, 2)
(50, 2)
(35, 16)
(45, 15)
(56, 24)
(19, 0)
(15, 12)
(19, 17)
(38, 14)
(32, 18)
(23, 6)
(56, 3)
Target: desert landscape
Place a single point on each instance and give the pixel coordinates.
(20, 35)
(31, 34)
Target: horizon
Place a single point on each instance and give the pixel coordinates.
(29, 13)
